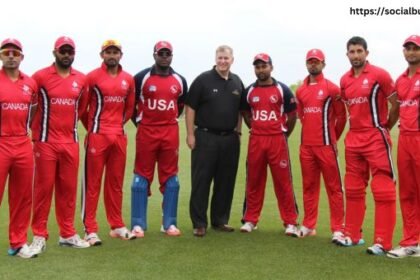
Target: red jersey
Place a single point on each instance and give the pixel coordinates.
(408, 90)
(268, 105)
(321, 111)
(110, 101)
(159, 98)
(58, 109)
(15, 104)
(367, 96)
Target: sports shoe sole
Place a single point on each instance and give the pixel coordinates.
(115, 235)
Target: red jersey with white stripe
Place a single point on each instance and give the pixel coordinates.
(16, 98)
(110, 101)
(408, 91)
(159, 98)
(321, 111)
(58, 108)
(268, 105)
(366, 97)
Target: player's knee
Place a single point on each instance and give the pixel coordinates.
(172, 184)
(355, 187)
(383, 188)
(140, 183)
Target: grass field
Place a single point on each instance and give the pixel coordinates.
(263, 254)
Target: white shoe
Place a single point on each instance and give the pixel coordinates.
(138, 231)
(122, 233)
(93, 239)
(24, 252)
(402, 252)
(248, 227)
(39, 245)
(376, 249)
(304, 231)
(347, 242)
(337, 235)
(171, 231)
(291, 230)
(73, 241)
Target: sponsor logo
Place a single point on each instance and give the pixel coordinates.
(274, 99)
(114, 99)
(174, 89)
(256, 99)
(38, 154)
(263, 115)
(63, 101)
(215, 90)
(312, 110)
(409, 103)
(14, 106)
(160, 104)
(124, 84)
(93, 150)
(283, 163)
(357, 100)
(152, 88)
(235, 92)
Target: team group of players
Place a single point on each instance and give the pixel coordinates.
(50, 104)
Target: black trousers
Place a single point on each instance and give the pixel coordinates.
(214, 158)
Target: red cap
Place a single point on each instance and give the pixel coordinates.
(415, 39)
(64, 40)
(111, 43)
(11, 41)
(262, 57)
(162, 45)
(315, 53)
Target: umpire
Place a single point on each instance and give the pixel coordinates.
(213, 131)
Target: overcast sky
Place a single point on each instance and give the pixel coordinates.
(284, 29)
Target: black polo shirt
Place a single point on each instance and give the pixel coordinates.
(216, 101)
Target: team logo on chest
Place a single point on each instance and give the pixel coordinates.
(365, 83)
(152, 88)
(26, 90)
(255, 99)
(124, 84)
(417, 86)
(173, 89)
(320, 94)
(274, 99)
(75, 86)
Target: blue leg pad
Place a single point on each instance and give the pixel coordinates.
(170, 202)
(139, 195)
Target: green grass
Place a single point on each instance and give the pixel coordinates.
(263, 254)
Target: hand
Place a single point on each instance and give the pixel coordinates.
(191, 141)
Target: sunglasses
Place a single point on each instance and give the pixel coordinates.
(11, 52)
(68, 51)
(164, 53)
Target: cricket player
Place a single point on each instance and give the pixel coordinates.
(160, 94)
(323, 117)
(270, 112)
(367, 90)
(408, 155)
(110, 106)
(17, 95)
(54, 132)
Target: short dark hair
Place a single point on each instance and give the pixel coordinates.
(357, 40)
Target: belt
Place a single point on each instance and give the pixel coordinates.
(216, 131)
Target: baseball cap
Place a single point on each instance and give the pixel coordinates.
(315, 53)
(262, 57)
(415, 39)
(11, 41)
(64, 40)
(162, 45)
(111, 43)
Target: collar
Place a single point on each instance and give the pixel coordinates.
(104, 68)
(318, 78)
(218, 75)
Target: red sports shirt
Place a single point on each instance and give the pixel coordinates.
(367, 96)
(110, 101)
(159, 98)
(15, 104)
(321, 111)
(408, 90)
(268, 105)
(58, 109)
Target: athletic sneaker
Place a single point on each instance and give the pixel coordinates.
(73, 241)
(93, 239)
(347, 242)
(376, 249)
(38, 245)
(336, 236)
(122, 233)
(248, 227)
(292, 230)
(402, 252)
(171, 231)
(138, 231)
(24, 252)
(304, 231)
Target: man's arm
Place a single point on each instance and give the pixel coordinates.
(290, 122)
(189, 119)
(393, 111)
